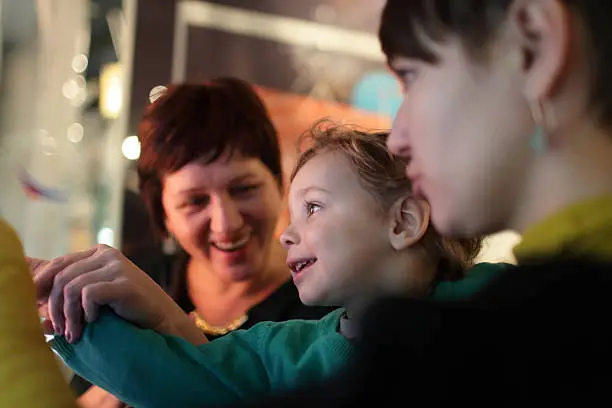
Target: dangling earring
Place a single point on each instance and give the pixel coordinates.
(169, 244)
(539, 138)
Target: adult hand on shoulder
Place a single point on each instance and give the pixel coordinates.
(76, 285)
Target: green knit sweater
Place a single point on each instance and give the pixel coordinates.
(147, 369)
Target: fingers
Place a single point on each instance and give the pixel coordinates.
(36, 265)
(82, 299)
(43, 311)
(62, 278)
(44, 317)
(47, 327)
(92, 297)
(65, 301)
(73, 286)
(45, 278)
(98, 294)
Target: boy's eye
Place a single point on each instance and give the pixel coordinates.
(312, 208)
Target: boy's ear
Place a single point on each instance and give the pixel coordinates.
(409, 218)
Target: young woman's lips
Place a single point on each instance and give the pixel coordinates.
(416, 181)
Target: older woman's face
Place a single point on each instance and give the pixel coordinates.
(224, 213)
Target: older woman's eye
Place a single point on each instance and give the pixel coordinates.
(243, 189)
(197, 201)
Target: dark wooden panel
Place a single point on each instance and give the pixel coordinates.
(153, 52)
(213, 53)
(267, 63)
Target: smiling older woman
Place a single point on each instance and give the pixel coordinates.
(210, 174)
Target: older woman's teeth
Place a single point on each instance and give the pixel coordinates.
(233, 245)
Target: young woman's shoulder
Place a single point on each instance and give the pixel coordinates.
(476, 279)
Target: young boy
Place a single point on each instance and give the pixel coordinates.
(356, 233)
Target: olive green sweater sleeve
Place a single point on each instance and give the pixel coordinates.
(29, 375)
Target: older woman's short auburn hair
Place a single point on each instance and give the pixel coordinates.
(201, 122)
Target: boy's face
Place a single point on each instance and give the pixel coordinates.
(338, 233)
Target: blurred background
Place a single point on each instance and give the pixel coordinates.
(76, 75)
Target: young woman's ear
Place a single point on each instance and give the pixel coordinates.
(542, 28)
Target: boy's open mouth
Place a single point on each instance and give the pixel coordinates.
(299, 265)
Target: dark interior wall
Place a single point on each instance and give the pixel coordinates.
(264, 62)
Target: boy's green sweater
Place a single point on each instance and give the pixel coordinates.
(147, 369)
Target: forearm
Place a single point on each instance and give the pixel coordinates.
(143, 368)
(180, 325)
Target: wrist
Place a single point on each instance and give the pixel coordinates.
(181, 326)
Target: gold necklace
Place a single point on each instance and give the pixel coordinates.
(217, 330)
